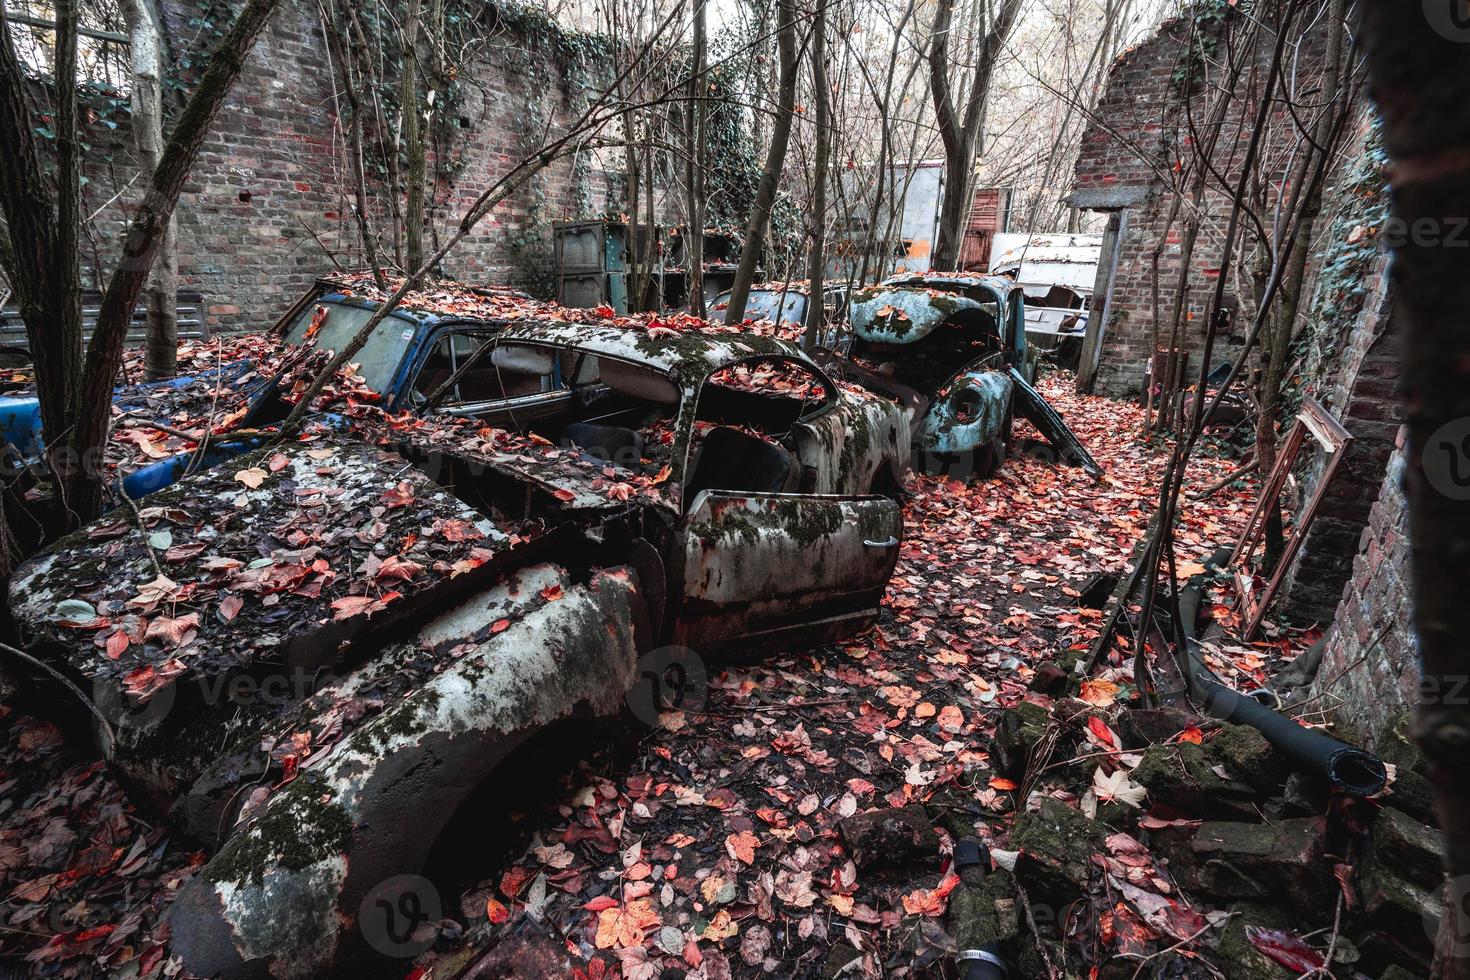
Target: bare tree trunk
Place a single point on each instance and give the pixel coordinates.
(47, 291)
(161, 291)
(765, 192)
(1321, 140)
(694, 167)
(1418, 77)
(960, 131)
(349, 57)
(82, 483)
(817, 255)
(413, 138)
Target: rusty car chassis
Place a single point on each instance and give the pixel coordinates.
(453, 586)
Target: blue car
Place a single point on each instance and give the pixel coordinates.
(411, 353)
(955, 345)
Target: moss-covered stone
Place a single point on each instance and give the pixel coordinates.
(1182, 775)
(1414, 795)
(1056, 844)
(1246, 755)
(1278, 861)
(1017, 730)
(1237, 957)
(1409, 847)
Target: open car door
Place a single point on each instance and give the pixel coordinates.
(757, 567)
(755, 563)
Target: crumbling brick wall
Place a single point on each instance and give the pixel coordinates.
(1131, 158)
(1345, 333)
(1370, 667)
(267, 208)
(1352, 367)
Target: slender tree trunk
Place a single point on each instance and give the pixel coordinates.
(765, 192)
(161, 291)
(92, 413)
(413, 138)
(1420, 80)
(349, 58)
(960, 130)
(1321, 140)
(817, 255)
(49, 301)
(694, 168)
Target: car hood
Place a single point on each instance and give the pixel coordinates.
(903, 315)
(280, 558)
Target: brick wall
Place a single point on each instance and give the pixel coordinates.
(1129, 159)
(1353, 369)
(1370, 667)
(1351, 364)
(270, 194)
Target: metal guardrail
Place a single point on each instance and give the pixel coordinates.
(189, 305)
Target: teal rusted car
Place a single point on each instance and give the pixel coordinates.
(957, 343)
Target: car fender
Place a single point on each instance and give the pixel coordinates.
(282, 896)
(844, 449)
(969, 413)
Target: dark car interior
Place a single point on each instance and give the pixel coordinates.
(926, 364)
(619, 413)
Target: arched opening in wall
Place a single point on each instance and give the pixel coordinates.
(499, 817)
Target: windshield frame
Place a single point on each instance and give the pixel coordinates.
(412, 319)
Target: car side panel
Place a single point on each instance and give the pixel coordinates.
(766, 566)
(845, 449)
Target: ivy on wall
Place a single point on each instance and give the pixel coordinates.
(1345, 276)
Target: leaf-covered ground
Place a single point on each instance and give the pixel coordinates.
(714, 851)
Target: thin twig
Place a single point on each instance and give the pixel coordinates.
(70, 685)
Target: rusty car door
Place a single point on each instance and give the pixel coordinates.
(758, 567)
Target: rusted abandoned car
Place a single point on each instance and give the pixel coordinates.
(785, 304)
(955, 345)
(417, 345)
(425, 594)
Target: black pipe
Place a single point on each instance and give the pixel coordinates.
(1345, 767)
(983, 962)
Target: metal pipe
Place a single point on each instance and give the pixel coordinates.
(982, 962)
(1345, 767)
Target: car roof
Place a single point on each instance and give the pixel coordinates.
(443, 299)
(686, 354)
(1000, 284)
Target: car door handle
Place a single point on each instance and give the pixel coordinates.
(881, 544)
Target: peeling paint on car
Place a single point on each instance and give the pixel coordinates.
(970, 412)
(312, 849)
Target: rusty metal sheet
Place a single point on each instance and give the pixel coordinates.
(761, 563)
(849, 448)
(903, 315)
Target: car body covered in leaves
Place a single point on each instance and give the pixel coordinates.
(227, 390)
(404, 604)
(958, 342)
(785, 304)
